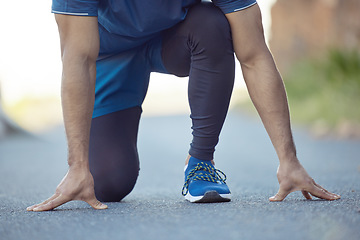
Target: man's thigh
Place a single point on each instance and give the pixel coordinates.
(121, 81)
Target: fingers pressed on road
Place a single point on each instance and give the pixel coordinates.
(312, 188)
(42, 203)
(333, 194)
(96, 204)
(322, 193)
(59, 200)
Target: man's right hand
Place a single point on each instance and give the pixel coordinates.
(78, 184)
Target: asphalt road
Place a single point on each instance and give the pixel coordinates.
(31, 167)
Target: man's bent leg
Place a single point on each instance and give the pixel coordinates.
(114, 161)
(201, 47)
(121, 84)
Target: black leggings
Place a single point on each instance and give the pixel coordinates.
(199, 47)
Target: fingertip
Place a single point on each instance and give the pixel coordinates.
(336, 197)
(31, 208)
(103, 206)
(100, 206)
(96, 204)
(308, 198)
(274, 199)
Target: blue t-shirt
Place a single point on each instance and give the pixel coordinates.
(139, 18)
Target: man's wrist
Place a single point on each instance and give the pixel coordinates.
(78, 154)
(78, 164)
(78, 160)
(286, 151)
(288, 159)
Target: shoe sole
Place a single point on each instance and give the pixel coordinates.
(209, 197)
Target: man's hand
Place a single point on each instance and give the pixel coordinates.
(293, 177)
(78, 184)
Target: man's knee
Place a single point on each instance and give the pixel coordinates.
(210, 35)
(208, 23)
(113, 187)
(203, 37)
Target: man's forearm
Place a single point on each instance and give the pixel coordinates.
(264, 83)
(79, 38)
(268, 94)
(78, 83)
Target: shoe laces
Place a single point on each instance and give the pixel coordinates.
(208, 173)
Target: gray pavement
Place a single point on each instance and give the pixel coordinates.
(31, 167)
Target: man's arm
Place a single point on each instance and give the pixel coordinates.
(79, 39)
(268, 94)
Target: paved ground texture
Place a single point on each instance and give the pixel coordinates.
(31, 167)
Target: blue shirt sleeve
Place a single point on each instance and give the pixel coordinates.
(75, 7)
(229, 6)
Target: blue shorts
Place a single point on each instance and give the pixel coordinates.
(122, 78)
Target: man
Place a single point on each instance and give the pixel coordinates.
(119, 43)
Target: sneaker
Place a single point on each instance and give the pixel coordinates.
(204, 183)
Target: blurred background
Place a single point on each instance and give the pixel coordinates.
(316, 44)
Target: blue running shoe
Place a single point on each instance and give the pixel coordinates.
(204, 183)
